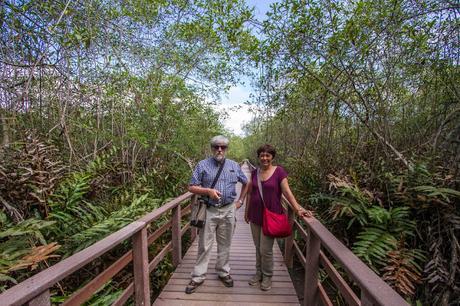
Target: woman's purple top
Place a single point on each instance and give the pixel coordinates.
(272, 195)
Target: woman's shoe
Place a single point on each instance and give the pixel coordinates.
(266, 283)
(255, 280)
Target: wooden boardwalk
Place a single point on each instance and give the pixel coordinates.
(242, 262)
(36, 290)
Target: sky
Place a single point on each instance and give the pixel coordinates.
(233, 101)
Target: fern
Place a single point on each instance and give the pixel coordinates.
(29, 227)
(373, 245)
(17, 242)
(29, 174)
(113, 222)
(70, 210)
(442, 194)
(441, 269)
(402, 271)
(388, 226)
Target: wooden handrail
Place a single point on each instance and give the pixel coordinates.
(35, 290)
(374, 291)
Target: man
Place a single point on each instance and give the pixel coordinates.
(220, 211)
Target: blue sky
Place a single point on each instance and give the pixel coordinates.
(234, 100)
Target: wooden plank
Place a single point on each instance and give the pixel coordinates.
(213, 259)
(242, 298)
(235, 290)
(236, 252)
(217, 283)
(323, 296)
(245, 277)
(247, 257)
(121, 300)
(236, 271)
(159, 257)
(170, 302)
(241, 266)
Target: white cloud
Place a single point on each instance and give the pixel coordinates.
(237, 118)
(236, 96)
(238, 112)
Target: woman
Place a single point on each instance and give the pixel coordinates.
(274, 184)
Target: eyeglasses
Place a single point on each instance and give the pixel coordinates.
(223, 148)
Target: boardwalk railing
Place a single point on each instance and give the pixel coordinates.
(35, 290)
(321, 246)
(318, 240)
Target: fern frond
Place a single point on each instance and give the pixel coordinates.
(113, 222)
(402, 271)
(443, 195)
(35, 256)
(373, 245)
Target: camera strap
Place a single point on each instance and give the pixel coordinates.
(217, 177)
(218, 174)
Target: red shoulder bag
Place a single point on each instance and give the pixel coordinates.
(274, 225)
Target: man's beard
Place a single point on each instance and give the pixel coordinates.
(219, 157)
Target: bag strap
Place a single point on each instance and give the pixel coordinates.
(259, 184)
(218, 174)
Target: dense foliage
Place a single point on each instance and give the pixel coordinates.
(362, 100)
(106, 106)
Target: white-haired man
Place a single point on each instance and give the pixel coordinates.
(220, 211)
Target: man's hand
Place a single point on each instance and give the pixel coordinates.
(214, 194)
(246, 218)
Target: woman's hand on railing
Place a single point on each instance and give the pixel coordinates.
(302, 212)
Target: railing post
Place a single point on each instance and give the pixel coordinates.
(289, 241)
(42, 299)
(141, 268)
(176, 237)
(310, 292)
